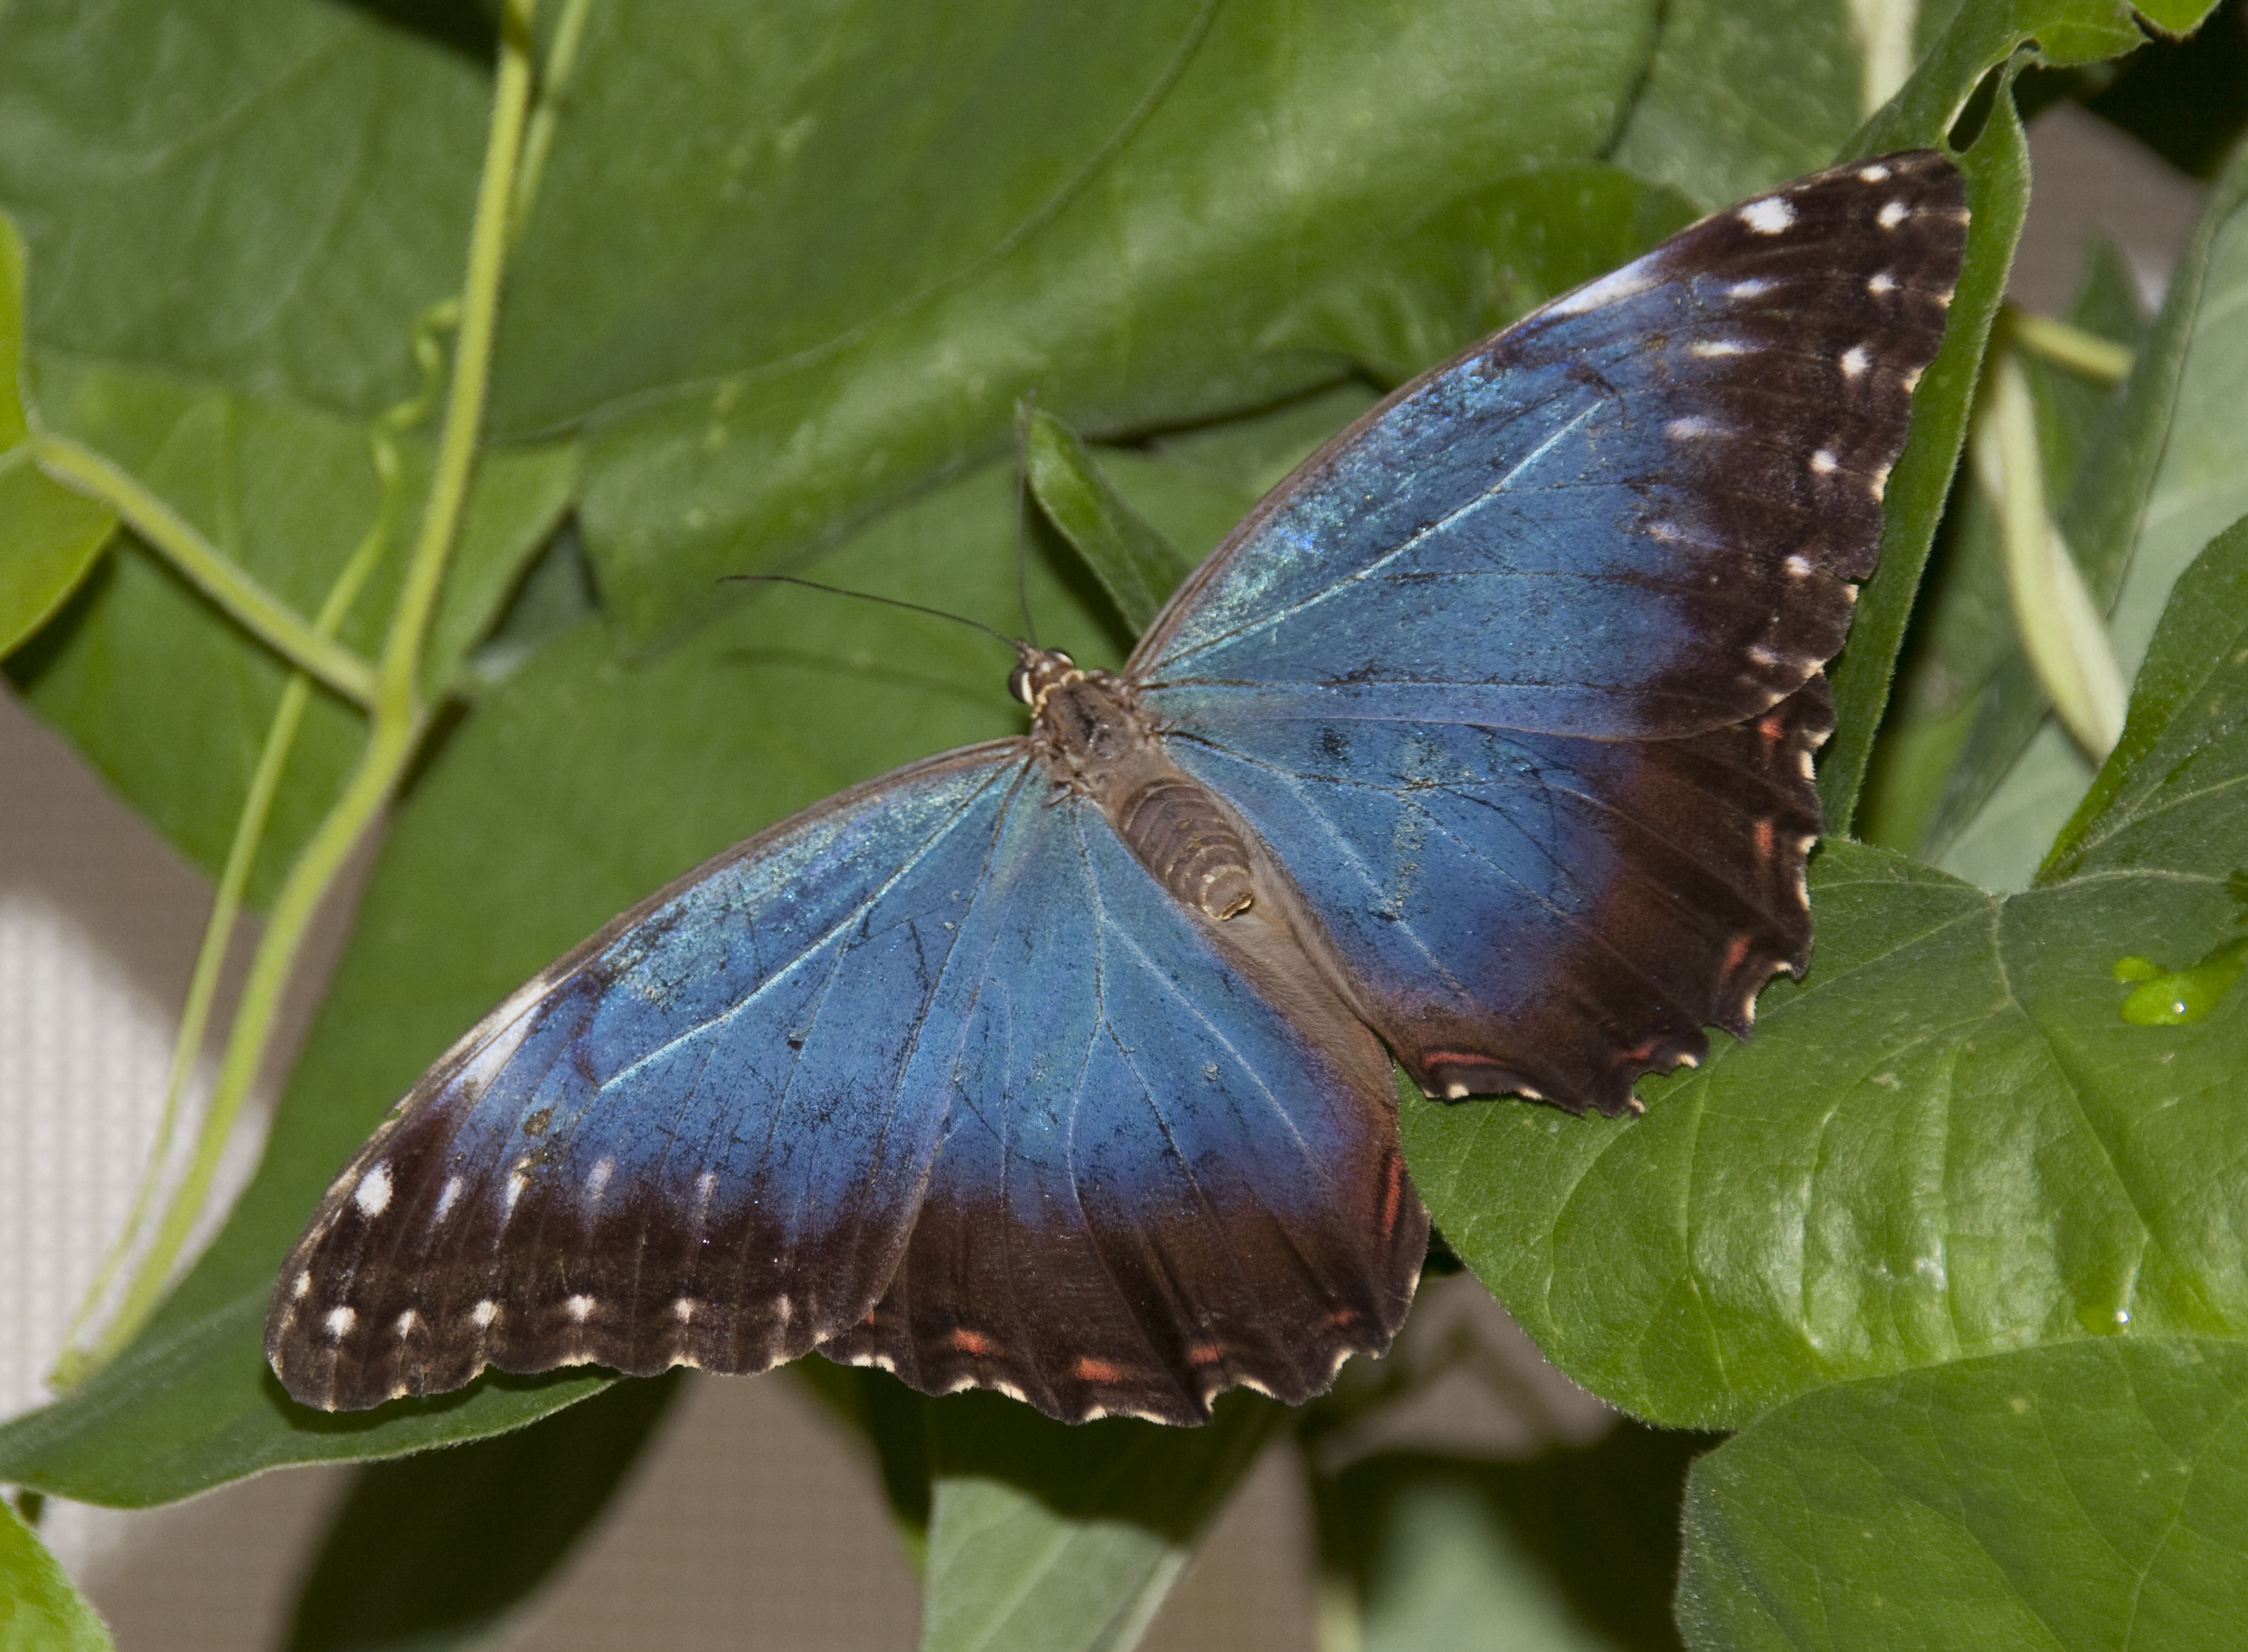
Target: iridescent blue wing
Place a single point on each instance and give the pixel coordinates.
(936, 1020)
(1520, 676)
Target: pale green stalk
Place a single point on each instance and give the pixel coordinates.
(77, 1363)
(257, 610)
(2066, 347)
(2060, 629)
(399, 714)
(554, 89)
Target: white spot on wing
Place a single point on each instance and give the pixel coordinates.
(1720, 347)
(373, 1195)
(447, 1199)
(1687, 430)
(1880, 283)
(1612, 288)
(1892, 214)
(1823, 462)
(405, 1323)
(339, 1322)
(1768, 216)
(600, 1178)
(683, 1309)
(1855, 361)
(1874, 173)
(1798, 567)
(303, 1287)
(484, 1314)
(1751, 288)
(579, 1308)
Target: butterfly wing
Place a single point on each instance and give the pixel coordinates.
(1154, 1185)
(1521, 676)
(933, 1013)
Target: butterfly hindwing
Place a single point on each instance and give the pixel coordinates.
(1154, 1186)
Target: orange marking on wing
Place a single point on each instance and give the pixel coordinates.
(1205, 1354)
(1765, 839)
(974, 1343)
(1089, 1369)
(1392, 1194)
(1772, 728)
(1736, 953)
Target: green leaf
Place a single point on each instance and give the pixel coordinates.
(1051, 1538)
(1739, 96)
(2088, 1496)
(40, 1609)
(168, 697)
(1575, 1549)
(1476, 263)
(437, 1550)
(1134, 563)
(2163, 795)
(1201, 172)
(2177, 16)
(49, 536)
(263, 195)
(1946, 1141)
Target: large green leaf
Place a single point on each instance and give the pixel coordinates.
(1946, 1141)
(263, 195)
(1239, 167)
(49, 536)
(2091, 1496)
(1740, 96)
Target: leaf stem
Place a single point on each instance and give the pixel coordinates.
(397, 693)
(2067, 346)
(251, 605)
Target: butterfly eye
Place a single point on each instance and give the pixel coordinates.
(1018, 684)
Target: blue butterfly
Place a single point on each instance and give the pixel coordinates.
(1061, 1065)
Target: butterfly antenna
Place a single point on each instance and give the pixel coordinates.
(867, 596)
(1023, 411)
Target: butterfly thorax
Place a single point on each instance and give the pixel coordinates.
(1100, 742)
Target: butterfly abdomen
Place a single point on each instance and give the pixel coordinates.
(1178, 832)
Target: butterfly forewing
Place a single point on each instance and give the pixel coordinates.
(1523, 671)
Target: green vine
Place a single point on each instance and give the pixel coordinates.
(391, 691)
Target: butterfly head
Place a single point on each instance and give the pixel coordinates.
(1039, 672)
